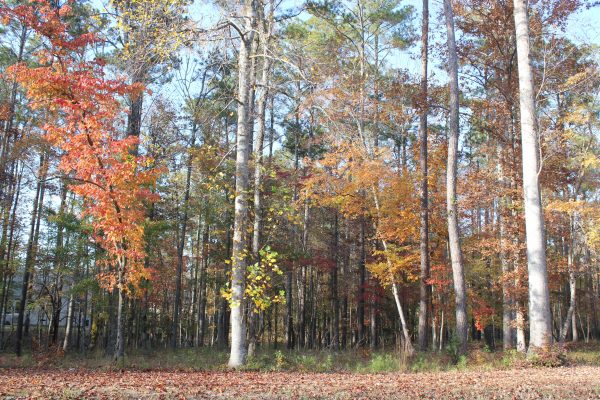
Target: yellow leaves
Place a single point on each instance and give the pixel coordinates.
(575, 80)
(153, 29)
(259, 286)
(590, 160)
(568, 207)
(396, 260)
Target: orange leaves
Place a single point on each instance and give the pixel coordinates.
(4, 111)
(360, 185)
(83, 114)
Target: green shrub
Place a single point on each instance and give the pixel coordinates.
(511, 358)
(383, 363)
(426, 363)
(461, 363)
(280, 361)
(453, 349)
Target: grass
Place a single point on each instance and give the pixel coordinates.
(269, 360)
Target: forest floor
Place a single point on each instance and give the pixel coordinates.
(202, 373)
(579, 382)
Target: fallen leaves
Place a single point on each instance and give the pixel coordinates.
(581, 382)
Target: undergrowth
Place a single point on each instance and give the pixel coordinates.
(355, 361)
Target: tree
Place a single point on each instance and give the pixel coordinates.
(460, 290)
(82, 107)
(540, 319)
(240, 252)
(425, 287)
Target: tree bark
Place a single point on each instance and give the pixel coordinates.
(264, 42)
(31, 251)
(289, 318)
(507, 300)
(424, 286)
(119, 354)
(65, 345)
(201, 318)
(570, 321)
(333, 289)
(238, 259)
(458, 275)
(181, 244)
(362, 273)
(540, 318)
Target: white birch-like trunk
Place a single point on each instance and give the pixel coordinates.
(540, 318)
(237, 356)
(570, 320)
(264, 39)
(69, 323)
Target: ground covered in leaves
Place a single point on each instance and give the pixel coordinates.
(575, 382)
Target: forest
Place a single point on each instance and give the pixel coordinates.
(214, 198)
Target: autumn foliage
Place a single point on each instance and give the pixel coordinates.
(83, 112)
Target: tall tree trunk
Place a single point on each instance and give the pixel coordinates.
(119, 353)
(569, 321)
(238, 274)
(458, 275)
(134, 118)
(289, 316)
(362, 273)
(507, 300)
(203, 265)
(508, 287)
(58, 263)
(181, 244)
(424, 286)
(540, 318)
(9, 120)
(8, 273)
(31, 251)
(264, 43)
(334, 334)
(65, 345)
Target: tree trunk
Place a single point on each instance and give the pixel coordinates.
(134, 118)
(31, 251)
(265, 34)
(458, 275)
(570, 321)
(406, 335)
(362, 272)
(424, 286)
(58, 263)
(119, 353)
(540, 318)
(181, 244)
(408, 347)
(238, 259)
(9, 119)
(8, 273)
(69, 323)
(201, 319)
(334, 334)
(507, 301)
(289, 319)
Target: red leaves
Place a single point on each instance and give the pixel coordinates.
(83, 113)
